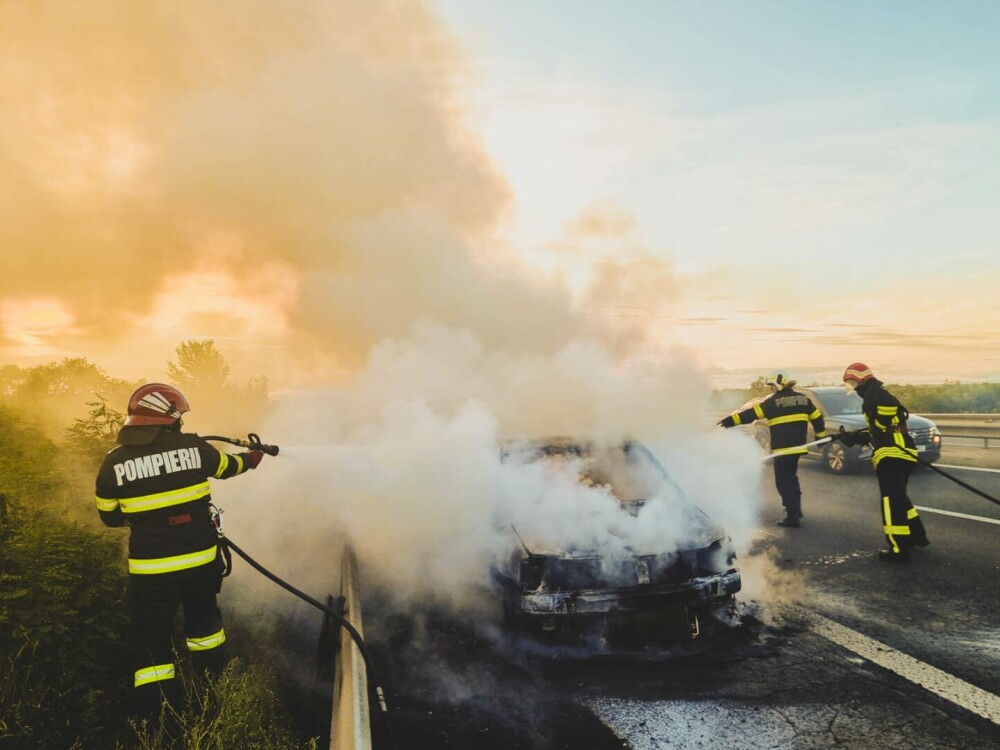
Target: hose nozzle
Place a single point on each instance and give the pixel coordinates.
(254, 443)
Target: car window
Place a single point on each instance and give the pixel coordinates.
(836, 402)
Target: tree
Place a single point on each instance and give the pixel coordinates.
(202, 373)
(92, 437)
(57, 392)
(759, 387)
(199, 364)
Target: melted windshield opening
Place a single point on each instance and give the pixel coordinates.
(627, 472)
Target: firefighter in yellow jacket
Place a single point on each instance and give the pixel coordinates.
(788, 414)
(894, 455)
(156, 482)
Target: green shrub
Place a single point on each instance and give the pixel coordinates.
(238, 709)
(62, 620)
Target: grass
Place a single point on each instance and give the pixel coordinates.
(238, 709)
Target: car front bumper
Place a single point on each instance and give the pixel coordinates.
(646, 598)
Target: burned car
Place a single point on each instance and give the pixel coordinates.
(671, 583)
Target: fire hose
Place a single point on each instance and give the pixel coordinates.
(252, 442)
(958, 481)
(225, 544)
(795, 448)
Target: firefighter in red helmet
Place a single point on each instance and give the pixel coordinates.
(894, 455)
(156, 482)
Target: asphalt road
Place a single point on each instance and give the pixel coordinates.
(842, 650)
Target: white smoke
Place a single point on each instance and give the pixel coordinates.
(405, 463)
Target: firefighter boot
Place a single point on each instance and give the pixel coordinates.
(887, 555)
(793, 513)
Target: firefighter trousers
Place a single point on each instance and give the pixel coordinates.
(786, 479)
(153, 600)
(901, 524)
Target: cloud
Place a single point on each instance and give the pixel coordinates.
(251, 171)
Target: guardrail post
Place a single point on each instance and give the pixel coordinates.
(350, 721)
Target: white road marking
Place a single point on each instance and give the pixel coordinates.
(958, 691)
(957, 515)
(967, 468)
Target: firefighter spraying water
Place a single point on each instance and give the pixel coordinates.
(156, 481)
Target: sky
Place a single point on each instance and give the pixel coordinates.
(820, 177)
(734, 186)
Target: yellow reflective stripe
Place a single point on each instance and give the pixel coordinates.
(170, 564)
(821, 434)
(887, 411)
(758, 411)
(106, 503)
(911, 514)
(887, 524)
(788, 418)
(165, 499)
(892, 451)
(815, 415)
(154, 674)
(208, 642)
(736, 418)
(223, 464)
(239, 463)
(898, 530)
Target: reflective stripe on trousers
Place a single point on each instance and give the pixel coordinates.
(157, 673)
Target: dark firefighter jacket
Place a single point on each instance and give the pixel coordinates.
(886, 419)
(788, 414)
(161, 490)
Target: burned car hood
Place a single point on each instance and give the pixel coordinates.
(699, 531)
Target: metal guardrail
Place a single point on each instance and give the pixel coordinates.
(968, 430)
(350, 721)
(963, 417)
(975, 440)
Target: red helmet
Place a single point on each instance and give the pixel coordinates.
(858, 371)
(155, 403)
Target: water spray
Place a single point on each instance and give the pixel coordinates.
(226, 544)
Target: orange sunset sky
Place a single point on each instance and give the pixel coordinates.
(738, 188)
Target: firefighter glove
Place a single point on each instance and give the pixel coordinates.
(855, 437)
(254, 458)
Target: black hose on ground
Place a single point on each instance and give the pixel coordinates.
(958, 481)
(352, 631)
